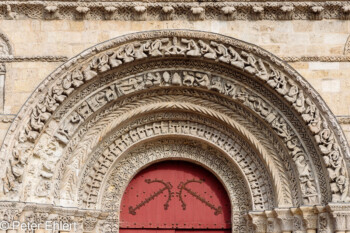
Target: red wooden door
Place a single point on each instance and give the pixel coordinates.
(175, 196)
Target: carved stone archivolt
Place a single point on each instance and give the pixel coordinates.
(124, 169)
(242, 158)
(88, 119)
(100, 129)
(104, 127)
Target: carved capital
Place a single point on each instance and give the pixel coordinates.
(310, 216)
(272, 222)
(259, 221)
(341, 216)
(286, 219)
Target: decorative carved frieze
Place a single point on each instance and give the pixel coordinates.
(243, 10)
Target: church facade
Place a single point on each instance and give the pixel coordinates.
(214, 116)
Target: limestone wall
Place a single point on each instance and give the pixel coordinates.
(315, 48)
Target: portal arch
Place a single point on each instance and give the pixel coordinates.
(124, 88)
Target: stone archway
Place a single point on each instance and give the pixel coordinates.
(259, 114)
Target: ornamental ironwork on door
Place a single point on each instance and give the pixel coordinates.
(175, 196)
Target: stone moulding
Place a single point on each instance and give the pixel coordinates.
(11, 58)
(223, 10)
(344, 119)
(8, 59)
(340, 58)
(285, 83)
(7, 118)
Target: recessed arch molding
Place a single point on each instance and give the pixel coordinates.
(224, 104)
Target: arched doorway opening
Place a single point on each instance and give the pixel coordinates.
(175, 196)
